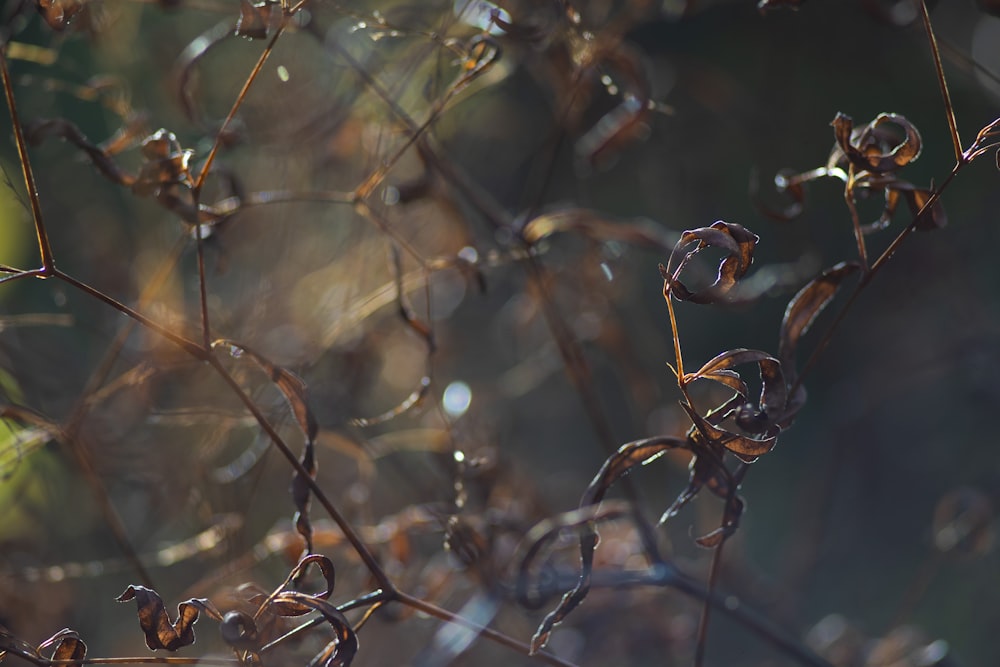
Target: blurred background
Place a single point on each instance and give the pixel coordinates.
(394, 156)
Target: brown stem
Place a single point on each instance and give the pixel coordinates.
(236, 105)
(364, 553)
(450, 617)
(44, 249)
(949, 110)
(706, 609)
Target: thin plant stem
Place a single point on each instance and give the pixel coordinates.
(44, 249)
(235, 107)
(869, 275)
(206, 331)
(706, 608)
(859, 235)
(364, 553)
(182, 342)
(500, 638)
(949, 110)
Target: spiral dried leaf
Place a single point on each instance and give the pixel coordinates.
(870, 149)
(735, 239)
(160, 632)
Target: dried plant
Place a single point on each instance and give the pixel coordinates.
(337, 307)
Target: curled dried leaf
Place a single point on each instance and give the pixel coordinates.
(421, 328)
(68, 646)
(545, 532)
(572, 599)
(872, 148)
(285, 608)
(239, 631)
(805, 307)
(916, 198)
(735, 239)
(614, 468)
(255, 19)
(731, 513)
(746, 448)
(341, 651)
(156, 625)
(296, 393)
(703, 472)
(165, 164)
(301, 494)
(627, 457)
(771, 412)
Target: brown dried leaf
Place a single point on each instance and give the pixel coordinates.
(295, 391)
(572, 599)
(615, 467)
(341, 651)
(239, 630)
(69, 646)
(59, 13)
(871, 149)
(736, 240)
(805, 307)
(728, 378)
(156, 625)
(774, 391)
(746, 448)
(165, 164)
(703, 471)
(916, 198)
(545, 532)
(421, 328)
(39, 130)
(731, 514)
(285, 608)
(627, 457)
(254, 20)
(293, 388)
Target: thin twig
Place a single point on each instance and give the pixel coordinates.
(706, 608)
(432, 609)
(44, 249)
(949, 110)
(235, 107)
